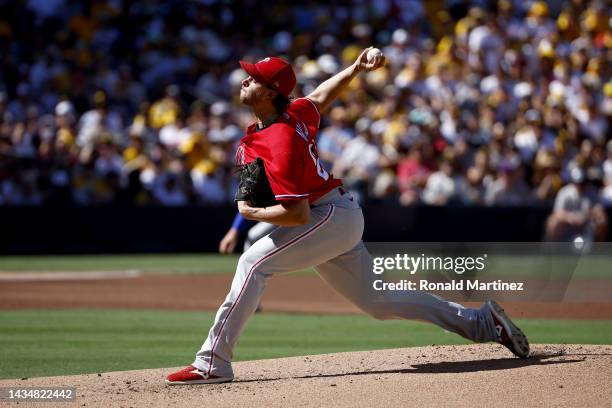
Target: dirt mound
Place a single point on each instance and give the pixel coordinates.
(475, 375)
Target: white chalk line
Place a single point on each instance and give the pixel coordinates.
(67, 276)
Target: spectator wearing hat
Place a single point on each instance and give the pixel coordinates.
(358, 161)
(574, 214)
(443, 186)
(166, 110)
(334, 138)
(412, 174)
(100, 121)
(509, 188)
(606, 193)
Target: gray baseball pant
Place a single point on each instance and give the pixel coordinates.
(256, 232)
(331, 243)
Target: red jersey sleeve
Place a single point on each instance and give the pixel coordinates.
(307, 111)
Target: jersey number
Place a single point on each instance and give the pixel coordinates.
(320, 170)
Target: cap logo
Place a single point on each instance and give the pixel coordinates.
(265, 59)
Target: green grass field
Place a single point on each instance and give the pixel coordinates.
(42, 343)
(165, 263)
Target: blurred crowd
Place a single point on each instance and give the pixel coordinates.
(497, 103)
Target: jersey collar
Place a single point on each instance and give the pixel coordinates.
(254, 128)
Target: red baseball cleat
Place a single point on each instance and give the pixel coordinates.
(508, 333)
(192, 375)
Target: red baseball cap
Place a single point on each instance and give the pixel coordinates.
(273, 72)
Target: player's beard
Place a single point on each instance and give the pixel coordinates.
(245, 98)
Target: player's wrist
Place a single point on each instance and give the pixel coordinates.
(244, 209)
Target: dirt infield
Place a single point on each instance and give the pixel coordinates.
(457, 376)
(291, 294)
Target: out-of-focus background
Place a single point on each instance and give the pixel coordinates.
(487, 116)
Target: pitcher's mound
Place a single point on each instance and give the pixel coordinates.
(475, 375)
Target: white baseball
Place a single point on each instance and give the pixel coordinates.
(372, 54)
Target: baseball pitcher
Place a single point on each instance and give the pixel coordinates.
(282, 182)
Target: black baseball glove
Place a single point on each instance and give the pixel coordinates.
(254, 186)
